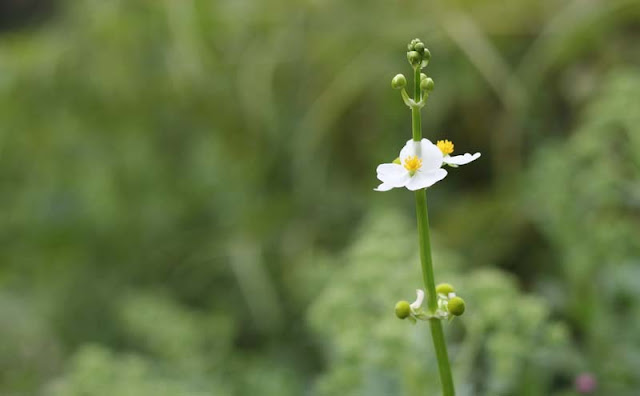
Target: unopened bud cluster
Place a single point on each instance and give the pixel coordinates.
(417, 54)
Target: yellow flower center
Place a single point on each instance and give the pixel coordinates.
(412, 164)
(445, 146)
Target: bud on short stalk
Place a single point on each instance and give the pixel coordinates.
(398, 82)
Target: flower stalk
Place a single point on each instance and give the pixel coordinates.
(437, 333)
(419, 166)
(416, 120)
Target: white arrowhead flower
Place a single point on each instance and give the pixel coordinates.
(420, 165)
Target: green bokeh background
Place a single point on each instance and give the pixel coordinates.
(186, 203)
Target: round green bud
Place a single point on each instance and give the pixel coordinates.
(410, 47)
(426, 55)
(456, 306)
(414, 58)
(403, 309)
(422, 76)
(419, 47)
(444, 288)
(427, 84)
(398, 82)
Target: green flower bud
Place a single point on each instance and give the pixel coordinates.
(398, 82)
(426, 55)
(403, 309)
(410, 47)
(456, 306)
(444, 288)
(414, 58)
(427, 84)
(422, 76)
(419, 47)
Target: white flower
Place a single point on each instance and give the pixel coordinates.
(416, 305)
(420, 165)
(447, 148)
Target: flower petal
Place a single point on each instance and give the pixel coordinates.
(461, 159)
(431, 155)
(393, 174)
(420, 297)
(383, 187)
(390, 169)
(409, 150)
(423, 179)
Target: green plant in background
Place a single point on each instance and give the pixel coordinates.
(507, 344)
(420, 166)
(593, 228)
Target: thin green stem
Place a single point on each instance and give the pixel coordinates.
(432, 299)
(416, 85)
(416, 121)
(425, 250)
(443, 358)
(426, 261)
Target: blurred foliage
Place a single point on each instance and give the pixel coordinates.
(172, 350)
(96, 371)
(593, 227)
(506, 345)
(181, 180)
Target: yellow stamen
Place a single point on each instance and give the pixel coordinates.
(412, 164)
(445, 146)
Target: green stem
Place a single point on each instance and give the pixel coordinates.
(432, 299)
(425, 250)
(416, 121)
(437, 333)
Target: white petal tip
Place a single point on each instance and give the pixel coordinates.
(419, 298)
(460, 159)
